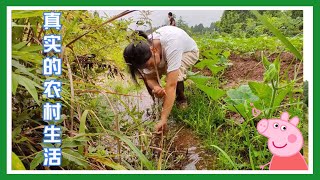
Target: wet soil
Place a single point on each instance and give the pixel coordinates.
(196, 156)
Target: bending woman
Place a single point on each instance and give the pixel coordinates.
(168, 51)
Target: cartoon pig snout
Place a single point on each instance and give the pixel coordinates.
(262, 126)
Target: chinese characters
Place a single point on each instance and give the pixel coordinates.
(51, 112)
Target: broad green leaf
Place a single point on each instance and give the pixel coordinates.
(280, 96)
(204, 63)
(265, 61)
(211, 54)
(239, 108)
(108, 162)
(16, 162)
(213, 93)
(75, 157)
(277, 64)
(223, 60)
(270, 74)
(211, 64)
(215, 69)
(38, 159)
(226, 54)
(18, 14)
(241, 95)
(263, 91)
(277, 33)
(199, 79)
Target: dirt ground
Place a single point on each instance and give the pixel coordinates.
(250, 68)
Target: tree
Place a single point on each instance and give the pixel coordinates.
(240, 23)
(183, 25)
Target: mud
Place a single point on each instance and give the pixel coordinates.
(196, 156)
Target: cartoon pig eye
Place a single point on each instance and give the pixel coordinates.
(275, 125)
(283, 128)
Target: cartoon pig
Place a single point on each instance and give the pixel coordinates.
(284, 142)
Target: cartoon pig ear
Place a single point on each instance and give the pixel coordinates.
(284, 116)
(294, 121)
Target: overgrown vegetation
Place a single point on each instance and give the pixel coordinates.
(104, 126)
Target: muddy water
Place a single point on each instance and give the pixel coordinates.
(187, 145)
(196, 156)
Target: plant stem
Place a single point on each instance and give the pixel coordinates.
(274, 91)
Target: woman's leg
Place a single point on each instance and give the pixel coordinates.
(180, 97)
(188, 60)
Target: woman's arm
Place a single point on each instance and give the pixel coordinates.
(169, 98)
(152, 81)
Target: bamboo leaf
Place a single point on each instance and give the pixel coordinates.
(19, 45)
(38, 159)
(75, 157)
(18, 14)
(24, 70)
(27, 56)
(108, 162)
(14, 83)
(83, 122)
(71, 26)
(29, 85)
(82, 127)
(32, 48)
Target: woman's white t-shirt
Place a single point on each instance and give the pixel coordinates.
(174, 42)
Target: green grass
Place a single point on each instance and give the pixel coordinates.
(208, 119)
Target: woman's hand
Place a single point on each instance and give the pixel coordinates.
(161, 127)
(159, 92)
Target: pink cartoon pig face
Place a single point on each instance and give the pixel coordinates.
(285, 139)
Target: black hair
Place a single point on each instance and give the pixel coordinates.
(136, 54)
(170, 13)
